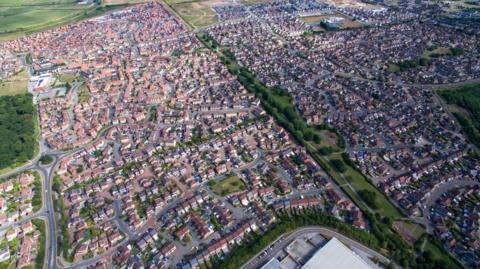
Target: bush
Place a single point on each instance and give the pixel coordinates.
(325, 150)
(46, 159)
(370, 197)
(339, 165)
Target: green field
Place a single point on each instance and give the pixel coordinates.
(227, 186)
(353, 182)
(21, 17)
(197, 14)
(14, 85)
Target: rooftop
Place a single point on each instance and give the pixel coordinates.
(335, 255)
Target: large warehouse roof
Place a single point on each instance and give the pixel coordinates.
(335, 255)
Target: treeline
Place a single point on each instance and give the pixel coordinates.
(17, 129)
(63, 239)
(39, 260)
(468, 98)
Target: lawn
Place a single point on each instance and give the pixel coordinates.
(329, 139)
(393, 68)
(83, 93)
(359, 183)
(227, 186)
(196, 14)
(14, 85)
(409, 231)
(427, 244)
(67, 78)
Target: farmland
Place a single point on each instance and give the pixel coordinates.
(197, 14)
(21, 17)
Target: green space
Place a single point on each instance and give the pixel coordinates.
(83, 94)
(196, 14)
(431, 248)
(46, 159)
(63, 240)
(21, 17)
(227, 186)
(359, 186)
(408, 64)
(37, 197)
(466, 100)
(17, 84)
(66, 80)
(431, 52)
(436, 51)
(17, 130)
(39, 260)
(409, 229)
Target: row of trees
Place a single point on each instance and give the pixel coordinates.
(17, 129)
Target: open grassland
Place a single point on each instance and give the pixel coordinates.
(195, 13)
(14, 85)
(21, 17)
(227, 186)
(409, 231)
(354, 183)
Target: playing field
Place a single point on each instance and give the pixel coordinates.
(196, 13)
(14, 85)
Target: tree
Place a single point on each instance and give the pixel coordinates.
(339, 165)
(370, 197)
